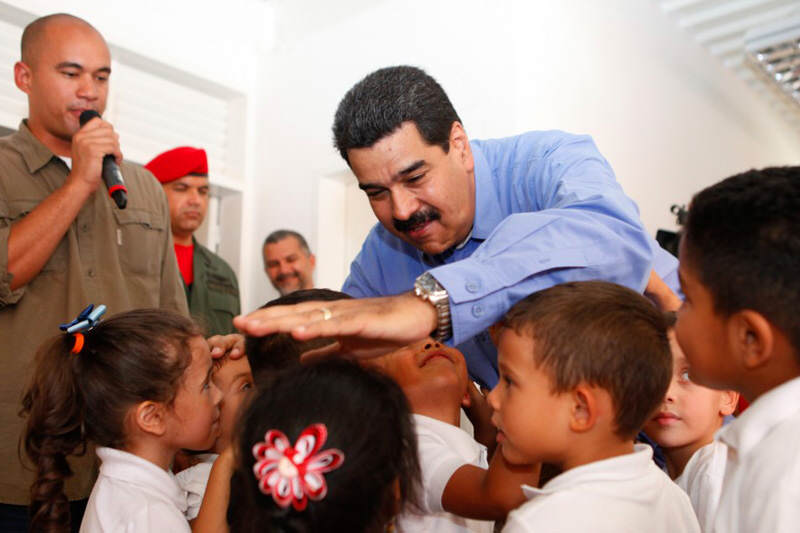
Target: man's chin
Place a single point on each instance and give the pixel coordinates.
(429, 246)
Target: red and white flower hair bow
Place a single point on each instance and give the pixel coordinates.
(294, 473)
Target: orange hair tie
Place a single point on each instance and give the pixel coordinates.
(78, 346)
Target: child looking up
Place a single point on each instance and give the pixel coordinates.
(138, 386)
(460, 491)
(684, 428)
(739, 328)
(582, 366)
(328, 447)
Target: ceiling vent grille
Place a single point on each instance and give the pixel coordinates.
(758, 39)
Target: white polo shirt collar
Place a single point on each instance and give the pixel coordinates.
(622, 467)
(133, 470)
(768, 411)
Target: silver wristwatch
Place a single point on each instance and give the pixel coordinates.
(427, 288)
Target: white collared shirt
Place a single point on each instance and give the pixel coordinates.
(702, 480)
(443, 449)
(194, 480)
(624, 493)
(761, 490)
(133, 495)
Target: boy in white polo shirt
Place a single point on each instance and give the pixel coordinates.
(582, 366)
(462, 491)
(739, 329)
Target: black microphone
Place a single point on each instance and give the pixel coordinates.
(111, 174)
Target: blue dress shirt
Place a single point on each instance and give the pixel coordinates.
(548, 210)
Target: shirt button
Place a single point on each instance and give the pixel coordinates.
(473, 286)
(84, 227)
(477, 310)
(91, 272)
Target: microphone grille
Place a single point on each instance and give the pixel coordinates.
(87, 115)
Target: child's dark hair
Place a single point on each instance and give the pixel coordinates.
(75, 398)
(367, 418)
(742, 238)
(272, 353)
(602, 334)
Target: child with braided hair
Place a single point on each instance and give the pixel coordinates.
(138, 386)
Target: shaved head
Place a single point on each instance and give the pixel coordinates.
(33, 35)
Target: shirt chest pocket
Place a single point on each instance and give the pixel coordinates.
(13, 211)
(140, 238)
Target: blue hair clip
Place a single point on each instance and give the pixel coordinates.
(87, 319)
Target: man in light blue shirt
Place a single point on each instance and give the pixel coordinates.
(469, 227)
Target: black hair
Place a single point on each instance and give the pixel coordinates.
(742, 238)
(272, 353)
(75, 398)
(380, 103)
(367, 418)
(602, 334)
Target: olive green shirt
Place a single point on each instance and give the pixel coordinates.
(214, 294)
(121, 258)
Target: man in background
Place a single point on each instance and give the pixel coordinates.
(63, 241)
(288, 261)
(210, 284)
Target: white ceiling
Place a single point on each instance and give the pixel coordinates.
(721, 25)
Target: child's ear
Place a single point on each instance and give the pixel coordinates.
(752, 338)
(728, 401)
(151, 417)
(584, 409)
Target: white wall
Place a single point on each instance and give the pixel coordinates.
(668, 117)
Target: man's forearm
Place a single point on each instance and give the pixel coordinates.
(33, 239)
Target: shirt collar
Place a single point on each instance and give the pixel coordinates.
(35, 154)
(457, 440)
(130, 468)
(487, 206)
(768, 411)
(628, 466)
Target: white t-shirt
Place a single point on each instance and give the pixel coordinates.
(702, 480)
(194, 480)
(443, 449)
(761, 489)
(625, 493)
(133, 495)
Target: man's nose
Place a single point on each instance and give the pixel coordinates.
(404, 204)
(194, 197)
(87, 88)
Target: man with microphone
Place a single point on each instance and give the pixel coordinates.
(63, 241)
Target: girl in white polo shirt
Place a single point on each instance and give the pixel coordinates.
(138, 386)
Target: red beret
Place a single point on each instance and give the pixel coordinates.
(177, 163)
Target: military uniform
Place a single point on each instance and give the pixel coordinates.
(210, 284)
(214, 295)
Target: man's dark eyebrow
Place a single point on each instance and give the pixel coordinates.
(406, 171)
(69, 64)
(78, 66)
(411, 168)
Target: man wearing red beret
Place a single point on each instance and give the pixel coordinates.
(211, 288)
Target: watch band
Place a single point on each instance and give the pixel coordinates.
(427, 288)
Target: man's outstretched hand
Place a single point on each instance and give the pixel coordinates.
(363, 327)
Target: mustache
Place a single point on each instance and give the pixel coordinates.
(418, 218)
(282, 277)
